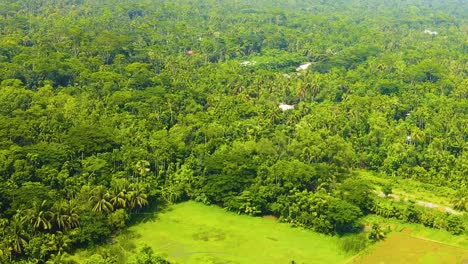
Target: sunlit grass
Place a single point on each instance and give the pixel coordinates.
(195, 233)
(409, 188)
(418, 230)
(405, 248)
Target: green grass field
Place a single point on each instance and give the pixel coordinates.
(191, 232)
(195, 233)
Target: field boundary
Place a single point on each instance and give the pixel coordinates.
(439, 242)
(368, 249)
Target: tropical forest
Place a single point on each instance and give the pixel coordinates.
(233, 131)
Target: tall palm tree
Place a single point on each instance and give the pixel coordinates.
(17, 237)
(73, 218)
(119, 199)
(119, 193)
(100, 199)
(64, 215)
(58, 215)
(460, 202)
(38, 216)
(137, 196)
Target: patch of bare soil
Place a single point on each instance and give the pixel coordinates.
(270, 217)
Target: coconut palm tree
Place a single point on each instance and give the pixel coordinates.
(38, 216)
(119, 193)
(64, 215)
(137, 196)
(16, 235)
(100, 199)
(460, 202)
(119, 199)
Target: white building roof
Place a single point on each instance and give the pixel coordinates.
(303, 67)
(247, 63)
(285, 107)
(430, 32)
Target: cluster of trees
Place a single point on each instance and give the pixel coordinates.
(409, 212)
(104, 110)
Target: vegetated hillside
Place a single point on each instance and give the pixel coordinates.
(109, 106)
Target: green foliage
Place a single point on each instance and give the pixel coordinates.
(109, 107)
(320, 212)
(357, 192)
(93, 229)
(343, 216)
(460, 201)
(98, 259)
(118, 219)
(410, 213)
(353, 244)
(387, 189)
(376, 233)
(147, 256)
(455, 224)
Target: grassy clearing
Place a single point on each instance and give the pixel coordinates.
(191, 232)
(410, 188)
(404, 248)
(195, 233)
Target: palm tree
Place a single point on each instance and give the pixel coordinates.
(142, 166)
(38, 216)
(58, 215)
(119, 193)
(137, 197)
(119, 199)
(16, 233)
(73, 218)
(64, 215)
(100, 200)
(460, 202)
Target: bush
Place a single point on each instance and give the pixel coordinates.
(377, 233)
(147, 256)
(387, 189)
(96, 259)
(118, 219)
(455, 225)
(440, 221)
(353, 244)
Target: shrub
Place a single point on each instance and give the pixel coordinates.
(377, 233)
(440, 221)
(353, 244)
(427, 217)
(455, 224)
(387, 189)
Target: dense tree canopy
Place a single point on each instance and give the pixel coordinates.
(110, 106)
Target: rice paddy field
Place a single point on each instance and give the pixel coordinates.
(404, 248)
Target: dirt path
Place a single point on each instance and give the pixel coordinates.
(422, 203)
